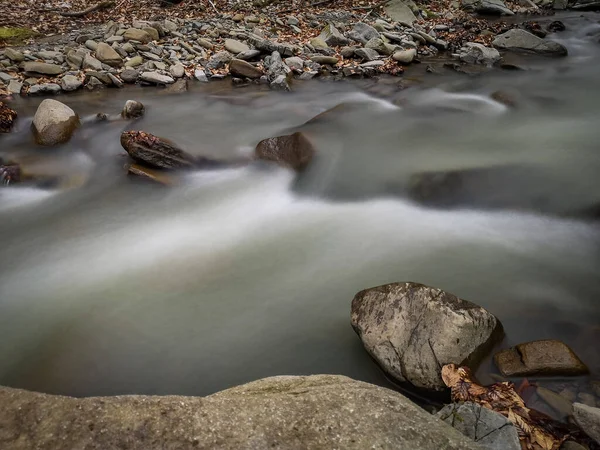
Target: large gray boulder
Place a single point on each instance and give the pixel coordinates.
(588, 418)
(412, 330)
(315, 412)
(490, 7)
(488, 428)
(398, 11)
(523, 41)
(54, 123)
(332, 36)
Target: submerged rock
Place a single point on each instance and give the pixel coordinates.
(547, 357)
(9, 173)
(155, 151)
(487, 428)
(133, 109)
(412, 330)
(521, 40)
(286, 412)
(7, 118)
(294, 151)
(54, 123)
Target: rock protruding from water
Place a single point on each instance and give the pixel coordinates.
(475, 53)
(523, 41)
(7, 118)
(155, 151)
(133, 109)
(588, 418)
(294, 151)
(546, 357)
(287, 412)
(487, 428)
(54, 123)
(412, 330)
(398, 11)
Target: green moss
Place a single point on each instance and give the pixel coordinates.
(15, 35)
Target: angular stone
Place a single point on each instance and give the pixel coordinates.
(14, 55)
(521, 40)
(6, 78)
(280, 83)
(155, 151)
(332, 37)
(365, 32)
(200, 75)
(559, 403)
(242, 68)
(235, 47)
(42, 68)
(92, 83)
(588, 418)
(75, 58)
(405, 56)
(366, 54)
(475, 53)
(546, 357)
(70, 83)
(497, 7)
(398, 11)
(412, 330)
(218, 60)
(294, 151)
(89, 62)
(381, 47)
(321, 59)
(134, 34)
(318, 43)
(487, 428)
(108, 55)
(286, 412)
(295, 63)
(54, 123)
(152, 32)
(156, 78)
(91, 44)
(205, 43)
(15, 86)
(129, 75)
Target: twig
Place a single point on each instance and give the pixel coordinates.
(322, 2)
(103, 5)
(213, 5)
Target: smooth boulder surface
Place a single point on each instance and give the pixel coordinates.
(488, 428)
(523, 41)
(287, 412)
(546, 357)
(588, 418)
(54, 123)
(108, 55)
(491, 7)
(42, 68)
(412, 330)
(242, 68)
(294, 151)
(398, 11)
(133, 109)
(235, 47)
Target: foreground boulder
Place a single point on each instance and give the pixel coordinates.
(54, 123)
(316, 412)
(547, 357)
(488, 428)
(155, 151)
(523, 41)
(7, 118)
(294, 151)
(588, 418)
(412, 330)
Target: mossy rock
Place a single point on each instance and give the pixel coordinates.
(15, 35)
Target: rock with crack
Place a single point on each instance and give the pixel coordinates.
(412, 330)
(488, 428)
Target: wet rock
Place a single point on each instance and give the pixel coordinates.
(276, 66)
(559, 403)
(156, 176)
(321, 59)
(235, 47)
(286, 412)
(474, 53)
(405, 56)
(108, 55)
(129, 75)
(547, 357)
(45, 88)
(218, 60)
(412, 330)
(491, 7)
(556, 26)
(398, 11)
(332, 37)
(70, 83)
(366, 54)
(14, 55)
(294, 151)
(521, 40)
(54, 123)
(200, 75)
(91, 63)
(295, 63)
(487, 428)
(135, 34)
(240, 68)
(179, 87)
(7, 118)
(588, 418)
(9, 173)
(42, 68)
(155, 151)
(133, 109)
(156, 78)
(248, 55)
(14, 87)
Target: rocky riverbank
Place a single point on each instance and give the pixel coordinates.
(273, 47)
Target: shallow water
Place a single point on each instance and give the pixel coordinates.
(110, 285)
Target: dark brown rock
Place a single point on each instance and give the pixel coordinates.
(155, 151)
(7, 118)
(547, 357)
(133, 110)
(294, 151)
(241, 68)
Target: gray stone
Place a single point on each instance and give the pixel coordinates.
(115, 81)
(363, 33)
(152, 32)
(128, 47)
(372, 64)
(380, 47)
(92, 83)
(235, 47)
(398, 11)
(321, 59)
(135, 61)
(89, 62)
(405, 56)
(588, 418)
(91, 44)
(412, 330)
(133, 109)
(495, 7)
(218, 60)
(487, 428)
(112, 39)
(106, 54)
(521, 40)
(5, 78)
(48, 55)
(240, 68)
(475, 53)
(170, 25)
(134, 34)
(559, 403)
(42, 68)
(129, 75)
(332, 37)
(200, 75)
(248, 55)
(75, 58)
(70, 83)
(46, 88)
(14, 55)
(286, 412)
(156, 78)
(177, 70)
(280, 83)
(318, 43)
(14, 87)
(276, 66)
(366, 54)
(54, 123)
(586, 5)
(205, 43)
(295, 63)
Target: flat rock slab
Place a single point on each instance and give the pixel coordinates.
(523, 41)
(43, 68)
(315, 412)
(488, 428)
(546, 357)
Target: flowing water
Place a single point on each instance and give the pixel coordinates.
(111, 285)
